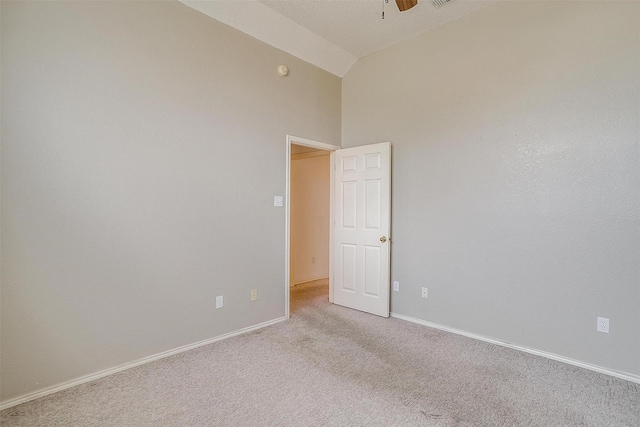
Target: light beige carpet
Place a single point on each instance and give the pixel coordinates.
(329, 365)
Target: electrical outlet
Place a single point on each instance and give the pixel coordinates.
(603, 325)
(254, 295)
(219, 301)
(396, 286)
(425, 292)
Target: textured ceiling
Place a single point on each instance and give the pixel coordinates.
(332, 34)
(357, 26)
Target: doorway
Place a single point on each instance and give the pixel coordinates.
(308, 213)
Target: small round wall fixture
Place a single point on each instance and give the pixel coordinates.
(283, 70)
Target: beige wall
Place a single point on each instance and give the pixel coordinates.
(515, 135)
(142, 145)
(310, 188)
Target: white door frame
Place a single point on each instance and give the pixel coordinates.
(287, 252)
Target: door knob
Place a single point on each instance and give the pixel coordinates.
(383, 239)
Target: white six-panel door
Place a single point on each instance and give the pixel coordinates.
(361, 246)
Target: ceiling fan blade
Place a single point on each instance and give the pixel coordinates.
(406, 4)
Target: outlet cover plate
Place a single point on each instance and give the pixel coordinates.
(425, 292)
(219, 301)
(396, 286)
(603, 325)
(254, 295)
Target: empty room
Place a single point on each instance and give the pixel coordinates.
(471, 208)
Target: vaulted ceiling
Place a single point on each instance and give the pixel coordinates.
(333, 34)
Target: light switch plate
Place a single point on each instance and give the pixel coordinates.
(278, 201)
(219, 301)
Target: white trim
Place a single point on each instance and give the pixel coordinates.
(101, 374)
(311, 143)
(287, 225)
(287, 237)
(310, 280)
(332, 220)
(552, 356)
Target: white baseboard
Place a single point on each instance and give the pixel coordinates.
(622, 375)
(310, 280)
(43, 392)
